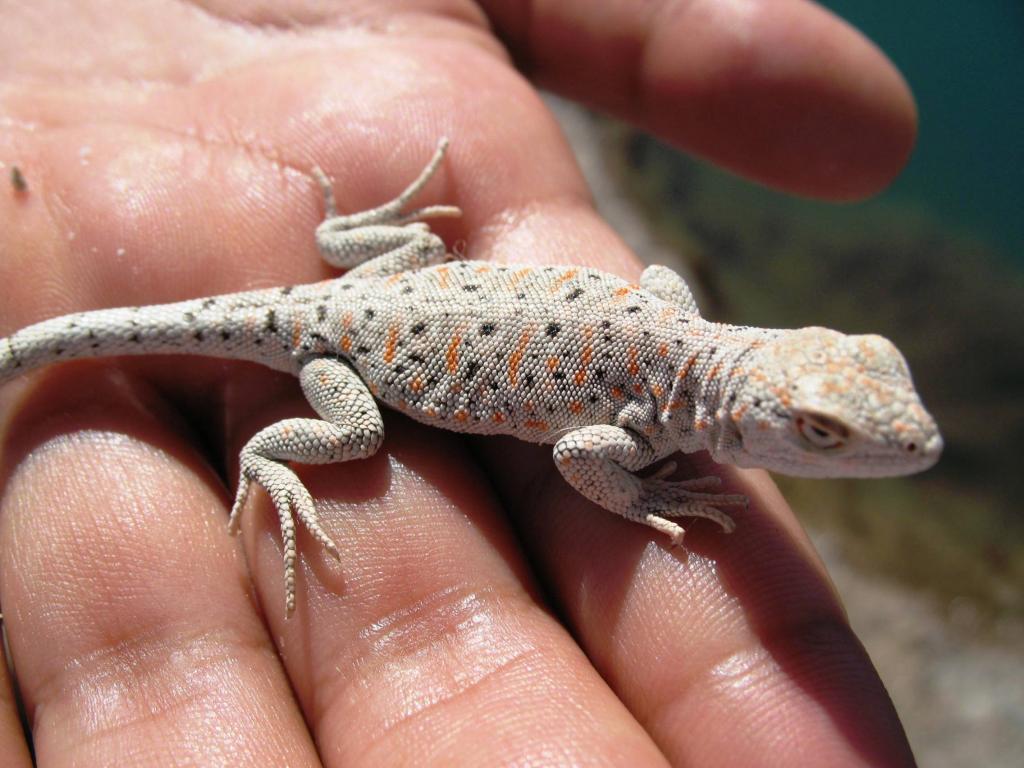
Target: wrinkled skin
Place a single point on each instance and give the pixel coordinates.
(482, 611)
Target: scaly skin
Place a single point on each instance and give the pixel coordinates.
(615, 375)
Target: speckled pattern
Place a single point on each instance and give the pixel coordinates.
(616, 375)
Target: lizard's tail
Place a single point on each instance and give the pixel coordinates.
(230, 327)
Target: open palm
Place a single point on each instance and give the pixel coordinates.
(167, 149)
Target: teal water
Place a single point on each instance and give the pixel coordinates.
(965, 64)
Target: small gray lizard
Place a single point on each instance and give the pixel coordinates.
(616, 375)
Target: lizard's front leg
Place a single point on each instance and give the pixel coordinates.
(599, 461)
(350, 428)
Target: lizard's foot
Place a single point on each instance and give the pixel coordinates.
(289, 496)
(599, 461)
(352, 429)
(383, 240)
(660, 499)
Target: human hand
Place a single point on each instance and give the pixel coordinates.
(167, 150)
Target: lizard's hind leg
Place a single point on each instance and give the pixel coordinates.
(385, 250)
(667, 285)
(385, 238)
(351, 428)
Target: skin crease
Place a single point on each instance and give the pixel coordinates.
(482, 611)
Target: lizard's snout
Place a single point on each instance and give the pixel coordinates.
(932, 449)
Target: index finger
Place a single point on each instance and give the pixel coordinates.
(735, 651)
(782, 92)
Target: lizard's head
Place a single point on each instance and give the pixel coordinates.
(818, 403)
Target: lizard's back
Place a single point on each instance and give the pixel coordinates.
(490, 349)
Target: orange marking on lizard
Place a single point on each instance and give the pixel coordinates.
(519, 275)
(461, 415)
(452, 355)
(663, 350)
(616, 393)
(537, 424)
(715, 370)
(586, 355)
(390, 344)
(685, 370)
(516, 358)
(442, 277)
(416, 385)
(562, 279)
(576, 406)
(552, 363)
(783, 396)
(297, 333)
(346, 342)
(498, 418)
(631, 365)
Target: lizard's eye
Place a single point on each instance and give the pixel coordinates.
(821, 432)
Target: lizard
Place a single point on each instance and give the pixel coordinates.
(615, 375)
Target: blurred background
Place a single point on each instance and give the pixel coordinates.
(931, 567)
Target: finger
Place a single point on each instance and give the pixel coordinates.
(12, 737)
(739, 634)
(428, 627)
(726, 641)
(132, 629)
(782, 92)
